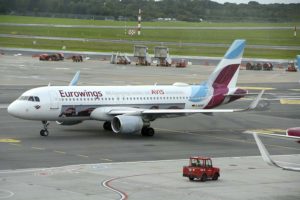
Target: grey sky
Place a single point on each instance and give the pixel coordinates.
(260, 1)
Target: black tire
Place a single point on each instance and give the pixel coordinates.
(191, 178)
(203, 177)
(44, 132)
(107, 126)
(147, 132)
(215, 176)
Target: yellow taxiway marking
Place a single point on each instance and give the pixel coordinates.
(9, 140)
(61, 152)
(290, 101)
(269, 131)
(257, 88)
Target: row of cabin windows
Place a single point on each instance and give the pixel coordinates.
(122, 98)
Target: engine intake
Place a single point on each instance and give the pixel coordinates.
(126, 124)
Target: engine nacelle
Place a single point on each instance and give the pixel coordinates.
(68, 123)
(126, 124)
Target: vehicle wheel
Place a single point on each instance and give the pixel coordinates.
(191, 178)
(203, 178)
(44, 132)
(147, 131)
(107, 126)
(215, 177)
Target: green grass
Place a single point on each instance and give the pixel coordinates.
(109, 47)
(253, 37)
(66, 21)
(262, 37)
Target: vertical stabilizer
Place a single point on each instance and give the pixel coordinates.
(226, 73)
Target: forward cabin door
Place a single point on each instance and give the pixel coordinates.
(53, 100)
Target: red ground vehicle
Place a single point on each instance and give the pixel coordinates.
(201, 168)
(182, 63)
(52, 57)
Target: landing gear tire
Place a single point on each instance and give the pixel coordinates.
(147, 131)
(107, 126)
(44, 132)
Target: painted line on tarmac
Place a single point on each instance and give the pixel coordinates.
(9, 140)
(290, 101)
(257, 88)
(106, 184)
(124, 195)
(38, 148)
(4, 194)
(106, 159)
(232, 140)
(80, 155)
(60, 152)
(297, 90)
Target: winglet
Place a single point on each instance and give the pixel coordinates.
(266, 156)
(255, 102)
(75, 79)
(264, 152)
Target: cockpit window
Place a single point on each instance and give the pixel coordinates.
(29, 98)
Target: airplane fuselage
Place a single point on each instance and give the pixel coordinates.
(67, 103)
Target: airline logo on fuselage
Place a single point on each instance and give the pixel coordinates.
(157, 92)
(84, 93)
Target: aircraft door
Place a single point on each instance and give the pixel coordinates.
(53, 100)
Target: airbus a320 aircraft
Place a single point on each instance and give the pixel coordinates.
(129, 109)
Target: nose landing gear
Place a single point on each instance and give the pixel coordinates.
(45, 132)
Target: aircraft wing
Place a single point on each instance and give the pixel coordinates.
(156, 113)
(266, 156)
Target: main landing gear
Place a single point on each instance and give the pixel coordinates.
(107, 126)
(147, 131)
(45, 132)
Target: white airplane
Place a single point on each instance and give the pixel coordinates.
(266, 156)
(129, 109)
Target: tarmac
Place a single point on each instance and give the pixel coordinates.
(86, 162)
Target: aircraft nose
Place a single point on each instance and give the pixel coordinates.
(12, 109)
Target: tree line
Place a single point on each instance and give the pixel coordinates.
(183, 10)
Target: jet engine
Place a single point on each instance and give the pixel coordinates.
(126, 124)
(68, 123)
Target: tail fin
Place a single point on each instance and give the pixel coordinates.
(226, 73)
